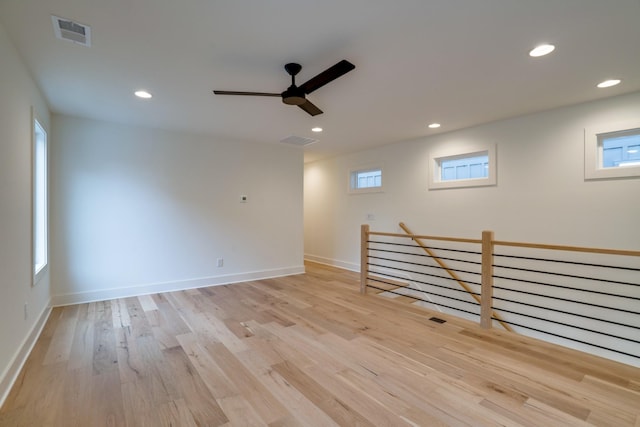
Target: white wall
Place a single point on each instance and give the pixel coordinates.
(541, 194)
(139, 210)
(18, 94)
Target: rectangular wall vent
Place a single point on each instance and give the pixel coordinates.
(66, 29)
(298, 140)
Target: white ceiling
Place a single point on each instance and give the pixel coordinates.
(457, 62)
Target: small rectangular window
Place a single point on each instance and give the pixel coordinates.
(612, 151)
(365, 180)
(465, 167)
(620, 151)
(40, 218)
(456, 169)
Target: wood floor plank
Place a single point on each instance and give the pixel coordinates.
(191, 389)
(240, 412)
(176, 413)
(120, 313)
(527, 383)
(375, 412)
(62, 339)
(81, 354)
(104, 348)
(559, 416)
(147, 303)
(298, 406)
(338, 410)
(296, 403)
(616, 396)
(38, 397)
(166, 324)
(267, 346)
(129, 363)
(258, 396)
(25, 388)
(306, 345)
(303, 350)
(213, 377)
(139, 408)
(78, 385)
(107, 402)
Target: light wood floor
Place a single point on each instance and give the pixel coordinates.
(303, 350)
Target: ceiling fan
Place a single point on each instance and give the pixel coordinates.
(295, 95)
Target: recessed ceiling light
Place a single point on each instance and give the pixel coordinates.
(142, 94)
(316, 129)
(434, 125)
(542, 50)
(609, 83)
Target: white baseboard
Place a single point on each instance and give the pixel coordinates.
(333, 262)
(10, 375)
(132, 291)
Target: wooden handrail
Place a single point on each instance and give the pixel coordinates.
(567, 248)
(604, 251)
(444, 239)
(452, 273)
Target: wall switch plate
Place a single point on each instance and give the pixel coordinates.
(220, 262)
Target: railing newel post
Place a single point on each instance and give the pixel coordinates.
(364, 257)
(486, 291)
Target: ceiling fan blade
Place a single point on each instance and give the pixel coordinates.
(231, 92)
(328, 75)
(310, 108)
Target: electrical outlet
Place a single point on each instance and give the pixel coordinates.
(220, 262)
(244, 199)
(371, 217)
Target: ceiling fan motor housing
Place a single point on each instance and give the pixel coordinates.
(293, 96)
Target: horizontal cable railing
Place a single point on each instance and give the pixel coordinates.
(589, 297)
(585, 298)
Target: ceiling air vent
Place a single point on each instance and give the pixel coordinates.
(66, 29)
(298, 140)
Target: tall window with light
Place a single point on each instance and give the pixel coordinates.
(40, 216)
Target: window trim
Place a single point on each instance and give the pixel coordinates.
(593, 152)
(354, 171)
(435, 170)
(40, 272)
